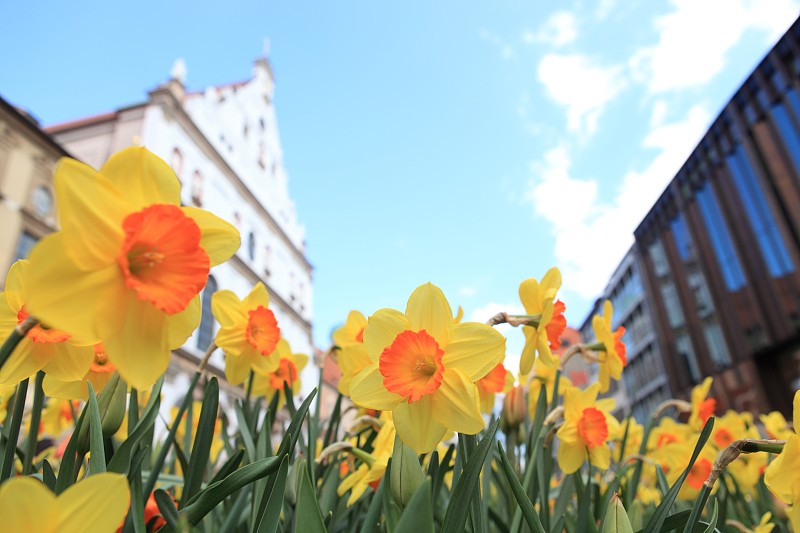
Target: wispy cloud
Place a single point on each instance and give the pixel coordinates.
(580, 85)
(560, 29)
(505, 47)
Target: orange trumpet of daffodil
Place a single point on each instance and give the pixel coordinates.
(99, 374)
(288, 370)
(588, 426)
(496, 381)
(56, 352)
(538, 298)
(99, 504)
(249, 333)
(128, 263)
(423, 367)
(613, 359)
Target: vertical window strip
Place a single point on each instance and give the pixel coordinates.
(721, 239)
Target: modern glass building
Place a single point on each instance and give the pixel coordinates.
(721, 247)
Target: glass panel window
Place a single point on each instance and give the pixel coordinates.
(672, 305)
(768, 236)
(659, 258)
(720, 238)
(24, 245)
(684, 348)
(683, 240)
(716, 345)
(702, 296)
(788, 131)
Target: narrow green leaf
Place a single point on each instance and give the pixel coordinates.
(8, 346)
(525, 505)
(13, 428)
(272, 501)
(714, 515)
(229, 467)
(391, 512)
(121, 462)
(201, 449)
(33, 431)
(97, 457)
(418, 515)
(456, 516)
(48, 476)
(372, 519)
(208, 498)
(307, 516)
(66, 470)
(293, 431)
(135, 519)
(697, 508)
(244, 432)
(167, 508)
(616, 518)
(237, 513)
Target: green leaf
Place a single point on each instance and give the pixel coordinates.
(697, 508)
(406, 473)
(272, 500)
(372, 519)
(616, 518)
(524, 503)
(208, 498)
(121, 462)
(229, 467)
(97, 458)
(418, 515)
(456, 516)
(167, 508)
(293, 431)
(13, 428)
(714, 515)
(244, 432)
(33, 430)
(48, 476)
(67, 471)
(201, 450)
(307, 516)
(391, 512)
(656, 522)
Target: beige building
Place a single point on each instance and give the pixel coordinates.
(27, 158)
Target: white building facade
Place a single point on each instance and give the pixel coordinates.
(224, 146)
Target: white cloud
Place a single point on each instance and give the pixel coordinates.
(467, 292)
(559, 29)
(591, 238)
(582, 87)
(696, 36)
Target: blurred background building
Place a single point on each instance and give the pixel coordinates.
(718, 255)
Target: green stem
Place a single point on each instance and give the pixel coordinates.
(13, 431)
(769, 447)
(36, 416)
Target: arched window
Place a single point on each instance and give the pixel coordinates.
(206, 331)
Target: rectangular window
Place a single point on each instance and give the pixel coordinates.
(716, 345)
(702, 296)
(788, 131)
(659, 258)
(721, 240)
(24, 245)
(684, 348)
(683, 240)
(768, 236)
(672, 305)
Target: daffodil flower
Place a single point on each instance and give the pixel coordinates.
(287, 371)
(128, 263)
(496, 381)
(588, 426)
(702, 407)
(58, 353)
(423, 367)
(249, 333)
(99, 504)
(613, 359)
(370, 472)
(352, 354)
(538, 298)
(99, 374)
(782, 476)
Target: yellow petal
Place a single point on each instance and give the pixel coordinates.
(258, 296)
(782, 473)
(529, 350)
(69, 363)
(529, 296)
(456, 405)
(237, 368)
(15, 289)
(543, 347)
(353, 358)
(90, 212)
(140, 349)
(98, 503)
(8, 318)
(145, 178)
(550, 284)
(381, 330)
(300, 361)
(228, 309)
(796, 412)
(600, 457)
(66, 390)
(181, 325)
(264, 364)
(66, 298)
(416, 426)
(232, 340)
(27, 505)
(571, 456)
(219, 239)
(26, 359)
(475, 348)
(428, 309)
(367, 390)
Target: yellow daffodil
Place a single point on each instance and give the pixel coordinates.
(764, 526)
(248, 333)
(128, 263)
(775, 426)
(99, 504)
(588, 426)
(287, 371)
(373, 465)
(677, 460)
(633, 433)
(56, 352)
(783, 474)
(612, 356)
(702, 407)
(496, 381)
(98, 375)
(538, 298)
(352, 354)
(544, 376)
(423, 368)
(728, 428)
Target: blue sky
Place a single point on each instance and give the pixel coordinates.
(471, 144)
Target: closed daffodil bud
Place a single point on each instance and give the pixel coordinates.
(111, 402)
(406, 475)
(514, 410)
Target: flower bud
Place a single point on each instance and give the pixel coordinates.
(406, 475)
(111, 403)
(514, 410)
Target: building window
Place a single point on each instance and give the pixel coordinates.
(197, 188)
(659, 258)
(24, 245)
(684, 348)
(251, 246)
(176, 162)
(789, 133)
(702, 297)
(761, 219)
(672, 305)
(206, 331)
(716, 345)
(721, 240)
(683, 240)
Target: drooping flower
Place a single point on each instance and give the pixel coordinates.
(782, 476)
(248, 333)
(26, 504)
(423, 368)
(352, 354)
(99, 373)
(496, 381)
(373, 466)
(56, 352)
(539, 299)
(588, 426)
(288, 371)
(702, 407)
(128, 263)
(612, 356)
